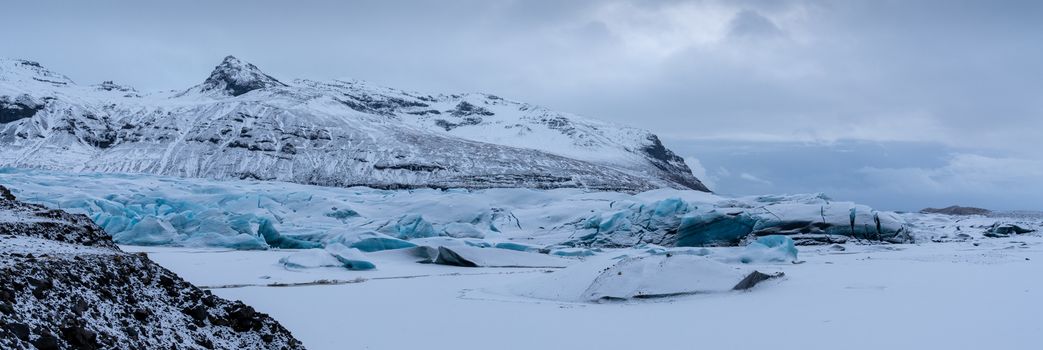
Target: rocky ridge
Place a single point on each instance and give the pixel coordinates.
(65, 285)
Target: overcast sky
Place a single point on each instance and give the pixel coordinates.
(900, 104)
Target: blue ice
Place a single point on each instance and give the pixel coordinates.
(773, 248)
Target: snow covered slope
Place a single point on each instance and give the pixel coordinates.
(243, 123)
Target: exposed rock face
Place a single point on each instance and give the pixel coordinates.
(65, 285)
(241, 123)
(956, 210)
(755, 278)
(17, 108)
(235, 78)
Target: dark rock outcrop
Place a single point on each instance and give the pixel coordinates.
(65, 285)
(755, 278)
(671, 164)
(17, 108)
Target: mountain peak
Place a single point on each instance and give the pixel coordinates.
(236, 77)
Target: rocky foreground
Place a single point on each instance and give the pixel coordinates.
(65, 285)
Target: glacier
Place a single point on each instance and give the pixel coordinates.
(139, 209)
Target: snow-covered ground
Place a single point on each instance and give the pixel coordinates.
(958, 295)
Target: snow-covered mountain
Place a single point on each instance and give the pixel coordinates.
(243, 123)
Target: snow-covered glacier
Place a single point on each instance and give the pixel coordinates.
(143, 209)
(241, 123)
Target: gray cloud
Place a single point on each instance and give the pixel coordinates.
(749, 23)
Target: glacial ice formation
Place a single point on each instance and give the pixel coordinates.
(516, 246)
(243, 214)
(372, 242)
(660, 275)
(676, 222)
(634, 277)
(572, 252)
(351, 258)
(413, 226)
(768, 249)
(462, 230)
(334, 255)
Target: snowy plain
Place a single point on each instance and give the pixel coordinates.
(958, 295)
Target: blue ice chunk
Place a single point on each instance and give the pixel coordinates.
(342, 214)
(414, 226)
(240, 223)
(351, 258)
(310, 258)
(462, 230)
(149, 231)
(784, 243)
(236, 241)
(277, 240)
(713, 228)
(516, 246)
(773, 248)
(477, 243)
(685, 251)
(669, 207)
(214, 221)
(609, 222)
(378, 243)
(113, 223)
(572, 252)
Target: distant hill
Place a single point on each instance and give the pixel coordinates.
(957, 210)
